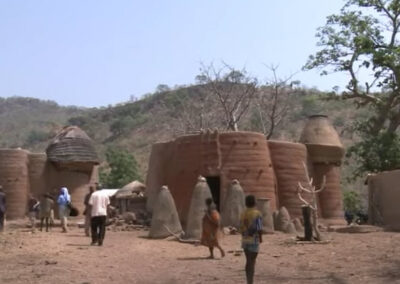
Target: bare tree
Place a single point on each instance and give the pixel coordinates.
(272, 102)
(234, 90)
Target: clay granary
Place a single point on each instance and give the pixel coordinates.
(71, 161)
(266, 169)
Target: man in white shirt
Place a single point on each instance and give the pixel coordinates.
(99, 202)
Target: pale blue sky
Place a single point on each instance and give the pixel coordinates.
(95, 53)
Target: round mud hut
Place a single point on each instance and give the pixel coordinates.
(73, 163)
(289, 161)
(14, 178)
(220, 158)
(326, 152)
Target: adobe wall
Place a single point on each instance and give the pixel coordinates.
(38, 174)
(231, 155)
(383, 199)
(14, 178)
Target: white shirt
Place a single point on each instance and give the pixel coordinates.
(99, 201)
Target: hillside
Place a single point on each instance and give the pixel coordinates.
(135, 126)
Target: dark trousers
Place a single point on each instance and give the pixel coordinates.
(250, 265)
(1, 221)
(98, 225)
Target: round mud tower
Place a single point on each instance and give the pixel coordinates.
(197, 209)
(14, 178)
(233, 205)
(164, 215)
(245, 156)
(289, 160)
(330, 198)
(322, 140)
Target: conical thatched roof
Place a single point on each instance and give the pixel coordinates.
(72, 145)
(130, 188)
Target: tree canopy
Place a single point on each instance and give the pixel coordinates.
(362, 40)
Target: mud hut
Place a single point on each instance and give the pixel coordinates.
(383, 197)
(325, 152)
(73, 163)
(220, 158)
(72, 149)
(130, 198)
(14, 177)
(288, 160)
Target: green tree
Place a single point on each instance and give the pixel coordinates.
(363, 39)
(351, 201)
(122, 169)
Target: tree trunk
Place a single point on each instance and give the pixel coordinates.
(306, 210)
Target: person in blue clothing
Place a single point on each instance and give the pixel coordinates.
(63, 200)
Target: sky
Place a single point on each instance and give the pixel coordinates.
(96, 53)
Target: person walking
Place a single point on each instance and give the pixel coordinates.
(87, 211)
(251, 230)
(211, 228)
(2, 208)
(63, 201)
(45, 209)
(99, 201)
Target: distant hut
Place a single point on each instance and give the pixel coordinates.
(130, 198)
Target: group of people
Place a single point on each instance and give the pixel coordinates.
(96, 206)
(250, 228)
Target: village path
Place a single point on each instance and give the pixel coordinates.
(128, 257)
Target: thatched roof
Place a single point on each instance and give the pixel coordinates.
(131, 190)
(72, 145)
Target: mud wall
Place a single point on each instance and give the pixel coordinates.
(159, 160)
(383, 197)
(233, 155)
(38, 174)
(78, 184)
(288, 160)
(14, 178)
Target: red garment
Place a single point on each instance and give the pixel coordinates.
(211, 232)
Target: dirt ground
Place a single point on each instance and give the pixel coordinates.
(129, 257)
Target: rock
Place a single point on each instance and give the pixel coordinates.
(129, 217)
(297, 224)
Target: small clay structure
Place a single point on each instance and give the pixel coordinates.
(165, 217)
(197, 209)
(298, 225)
(264, 207)
(233, 205)
(283, 219)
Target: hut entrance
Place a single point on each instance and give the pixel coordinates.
(214, 183)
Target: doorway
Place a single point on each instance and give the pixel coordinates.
(214, 183)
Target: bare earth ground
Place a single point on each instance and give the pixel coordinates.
(128, 257)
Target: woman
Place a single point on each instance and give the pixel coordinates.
(251, 230)
(63, 200)
(211, 225)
